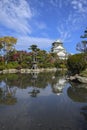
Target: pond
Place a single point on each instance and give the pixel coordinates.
(42, 101)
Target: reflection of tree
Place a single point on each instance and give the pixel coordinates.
(26, 80)
(40, 80)
(7, 92)
(7, 95)
(78, 92)
(18, 80)
(34, 91)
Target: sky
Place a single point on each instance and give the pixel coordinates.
(42, 22)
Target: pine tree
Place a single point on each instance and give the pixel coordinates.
(82, 46)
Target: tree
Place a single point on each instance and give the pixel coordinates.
(33, 47)
(82, 46)
(7, 44)
(34, 52)
(76, 63)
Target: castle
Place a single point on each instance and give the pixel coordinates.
(57, 47)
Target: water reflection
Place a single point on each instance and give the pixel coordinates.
(11, 82)
(7, 94)
(84, 112)
(36, 104)
(78, 92)
(40, 80)
(58, 87)
(35, 91)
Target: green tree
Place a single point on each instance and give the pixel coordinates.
(82, 46)
(77, 63)
(34, 55)
(33, 47)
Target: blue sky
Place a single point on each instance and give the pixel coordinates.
(42, 22)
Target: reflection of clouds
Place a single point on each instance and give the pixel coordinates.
(46, 91)
(58, 87)
(62, 81)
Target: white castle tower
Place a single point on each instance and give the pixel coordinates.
(57, 47)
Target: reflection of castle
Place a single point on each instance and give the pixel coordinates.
(57, 47)
(58, 87)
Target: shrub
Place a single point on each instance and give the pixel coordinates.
(60, 64)
(2, 66)
(24, 65)
(77, 63)
(11, 65)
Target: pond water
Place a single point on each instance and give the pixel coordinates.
(43, 101)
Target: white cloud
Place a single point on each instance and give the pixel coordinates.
(53, 3)
(79, 6)
(25, 42)
(65, 31)
(15, 15)
(40, 25)
(59, 3)
(73, 21)
(65, 36)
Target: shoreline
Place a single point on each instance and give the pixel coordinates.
(26, 71)
(81, 79)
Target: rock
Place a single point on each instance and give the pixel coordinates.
(77, 78)
(12, 70)
(5, 71)
(71, 78)
(22, 70)
(81, 79)
(27, 70)
(1, 72)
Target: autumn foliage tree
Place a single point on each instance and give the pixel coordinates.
(7, 44)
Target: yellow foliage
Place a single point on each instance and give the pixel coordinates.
(7, 42)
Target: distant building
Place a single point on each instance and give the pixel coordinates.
(57, 47)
